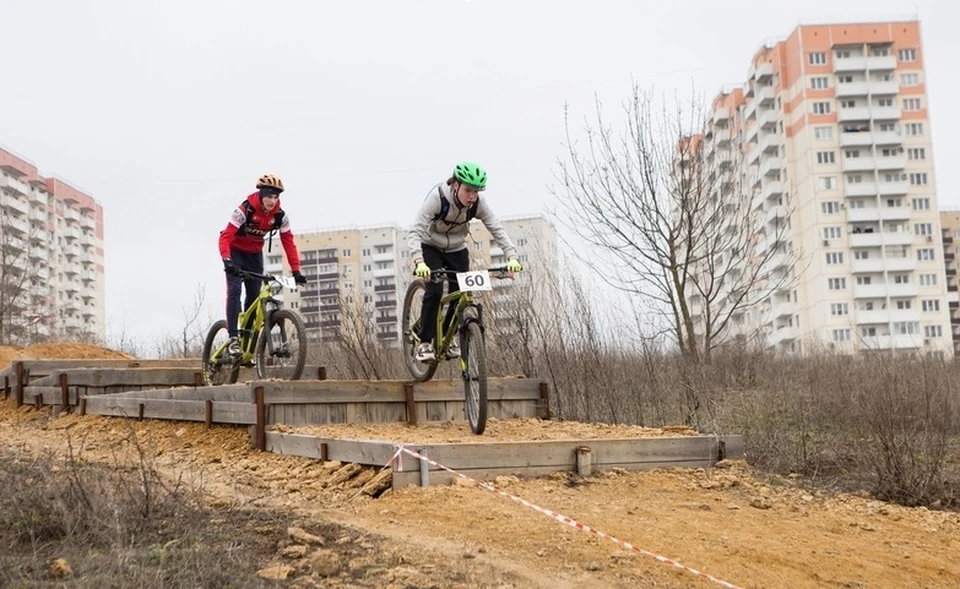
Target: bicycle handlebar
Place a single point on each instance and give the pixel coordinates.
(248, 274)
(500, 272)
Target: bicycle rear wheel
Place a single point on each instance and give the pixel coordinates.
(218, 367)
(282, 346)
(473, 364)
(410, 326)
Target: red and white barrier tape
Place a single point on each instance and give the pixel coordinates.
(398, 456)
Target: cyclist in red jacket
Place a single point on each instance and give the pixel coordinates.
(241, 247)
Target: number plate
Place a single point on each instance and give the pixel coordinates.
(475, 280)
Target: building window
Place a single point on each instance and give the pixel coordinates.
(908, 80)
(830, 207)
(842, 53)
(917, 153)
(851, 153)
(819, 83)
(832, 233)
(854, 178)
(849, 103)
(928, 280)
(884, 102)
(907, 55)
(913, 129)
(911, 104)
(821, 108)
(841, 335)
(828, 183)
(923, 229)
(818, 59)
(845, 79)
(834, 258)
(839, 309)
(826, 157)
(921, 204)
(932, 331)
(836, 283)
(931, 305)
(918, 178)
(823, 133)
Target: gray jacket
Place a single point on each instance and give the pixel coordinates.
(450, 233)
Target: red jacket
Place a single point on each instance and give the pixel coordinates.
(248, 225)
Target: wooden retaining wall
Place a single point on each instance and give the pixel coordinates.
(488, 460)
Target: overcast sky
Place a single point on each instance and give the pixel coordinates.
(166, 112)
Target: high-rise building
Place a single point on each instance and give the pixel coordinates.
(51, 256)
(357, 277)
(832, 131)
(950, 227)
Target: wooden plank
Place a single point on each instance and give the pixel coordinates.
(225, 412)
(368, 452)
(411, 476)
(41, 368)
(560, 454)
(384, 391)
(103, 377)
(239, 393)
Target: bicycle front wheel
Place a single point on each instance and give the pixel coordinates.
(410, 328)
(282, 346)
(218, 367)
(473, 364)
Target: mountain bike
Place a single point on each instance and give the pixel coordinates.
(467, 323)
(274, 337)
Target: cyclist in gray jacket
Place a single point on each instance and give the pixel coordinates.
(438, 240)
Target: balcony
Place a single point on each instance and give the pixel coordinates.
(772, 189)
(780, 310)
(766, 95)
(14, 185)
(896, 213)
(385, 287)
(893, 342)
(777, 213)
(16, 225)
(384, 272)
(384, 257)
(770, 142)
(881, 62)
(12, 203)
(721, 115)
(849, 64)
(893, 188)
(769, 119)
(897, 162)
(763, 71)
(902, 291)
(901, 264)
(873, 317)
(860, 189)
(885, 113)
(884, 88)
(722, 136)
(88, 222)
(783, 334)
(770, 166)
(72, 215)
(857, 113)
(887, 137)
(870, 291)
(863, 215)
(852, 89)
(856, 139)
(858, 164)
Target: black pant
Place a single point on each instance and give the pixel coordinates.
(458, 261)
(250, 263)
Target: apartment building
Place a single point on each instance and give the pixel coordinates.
(950, 227)
(357, 277)
(51, 255)
(832, 135)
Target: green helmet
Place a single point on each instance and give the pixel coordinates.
(470, 173)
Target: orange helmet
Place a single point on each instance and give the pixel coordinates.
(270, 181)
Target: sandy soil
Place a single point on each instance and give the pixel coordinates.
(739, 525)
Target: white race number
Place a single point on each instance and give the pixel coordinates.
(474, 280)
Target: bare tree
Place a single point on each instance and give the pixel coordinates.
(14, 277)
(680, 217)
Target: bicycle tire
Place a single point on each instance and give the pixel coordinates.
(215, 373)
(474, 369)
(410, 318)
(290, 324)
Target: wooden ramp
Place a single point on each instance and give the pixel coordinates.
(162, 389)
(488, 460)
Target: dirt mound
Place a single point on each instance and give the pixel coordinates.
(67, 351)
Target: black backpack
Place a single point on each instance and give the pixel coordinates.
(445, 208)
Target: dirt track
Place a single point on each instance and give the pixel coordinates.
(747, 529)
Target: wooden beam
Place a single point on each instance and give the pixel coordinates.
(21, 377)
(411, 405)
(261, 436)
(226, 412)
